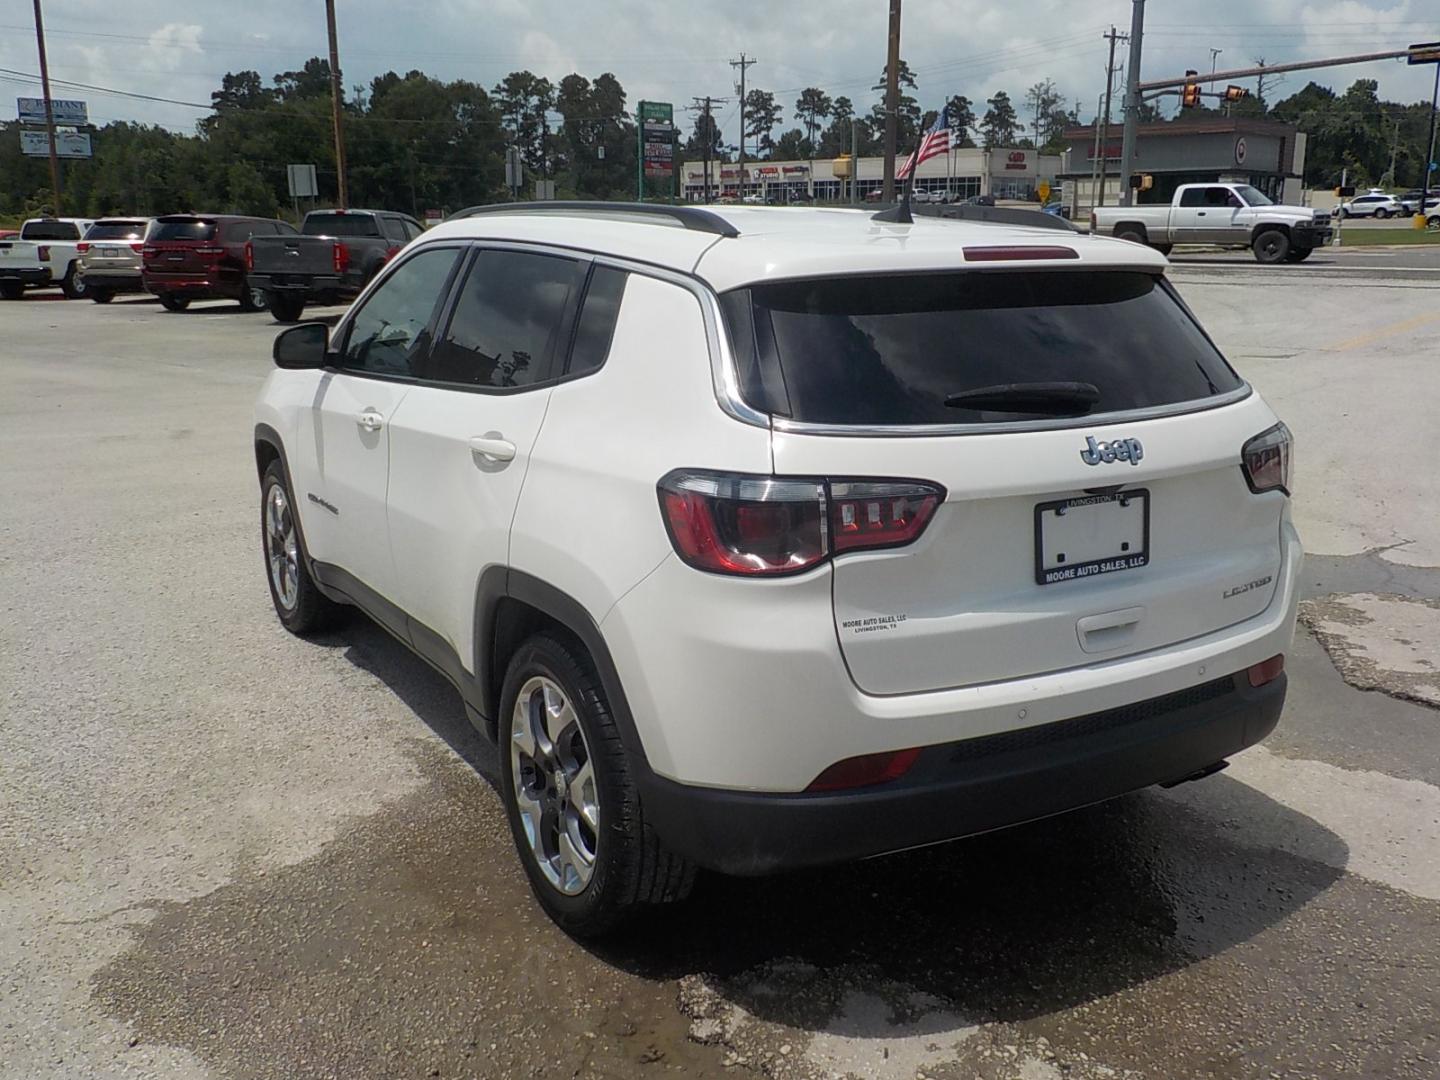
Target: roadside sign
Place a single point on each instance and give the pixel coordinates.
(68, 144)
(433, 217)
(544, 190)
(1425, 53)
(31, 110)
(514, 168)
(1043, 190)
(660, 112)
(301, 179)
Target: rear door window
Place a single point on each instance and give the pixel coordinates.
(512, 316)
(890, 350)
(182, 229)
(596, 326)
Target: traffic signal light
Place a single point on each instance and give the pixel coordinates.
(1190, 96)
(1236, 93)
(1141, 181)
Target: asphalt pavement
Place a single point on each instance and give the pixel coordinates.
(227, 853)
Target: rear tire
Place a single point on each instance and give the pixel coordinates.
(286, 308)
(11, 290)
(1129, 232)
(1382, 213)
(1271, 246)
(73, 285)
(301, 607)
(171, 302)
(101, 296)
(575, 814)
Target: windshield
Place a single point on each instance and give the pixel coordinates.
(892, 350)
(116, 230)
(181, 229)
(340, 225)
(1252, 196)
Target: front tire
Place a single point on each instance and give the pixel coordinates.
(1271, 246)
(1298, 254)
(73, 285)
(171, 302)
(1382, 213)
(299, 604)
(570, 795)
(287, 308)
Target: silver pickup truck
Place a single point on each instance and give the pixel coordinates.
(1228, 215)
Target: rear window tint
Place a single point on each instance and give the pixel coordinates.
(116, 230)
(340, 225)
(184, 229)
(49, 230)
(890, 350)
(596, 327)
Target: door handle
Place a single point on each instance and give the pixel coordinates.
(370, 420)
(1199, 213)
(492, 447)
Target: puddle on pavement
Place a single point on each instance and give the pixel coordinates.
(1389, 643)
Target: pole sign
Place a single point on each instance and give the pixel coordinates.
(68, 144)
(657, 138)
(301, 179)
(31, 110)
(1426, 53)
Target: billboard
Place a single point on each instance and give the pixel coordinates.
(31, 110)
(657, 137)
(68, 144)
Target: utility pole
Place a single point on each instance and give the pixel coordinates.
(1103, 127)
(1420, 218)
(854, 161)
(742, 64)
(1132, 100)
(892, 101)
(49, 110)
(1394, 148)
(703, 106)
(335, 104)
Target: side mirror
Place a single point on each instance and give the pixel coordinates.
(302, 346)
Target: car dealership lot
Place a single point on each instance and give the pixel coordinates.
(226, 852)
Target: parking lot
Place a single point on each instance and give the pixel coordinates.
(226, 852)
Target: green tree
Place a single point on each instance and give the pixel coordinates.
(791, 146)
(908, 116)
(811, 107)
(762, 117)
(524, 100)
(1000, 126)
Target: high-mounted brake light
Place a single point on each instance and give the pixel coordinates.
(765, 526)
(1268, 460)
(341, 256)
(1018, 253)
(249, 255)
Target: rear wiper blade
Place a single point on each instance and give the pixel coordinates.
(1059, 398)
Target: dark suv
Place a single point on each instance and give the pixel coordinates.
(202, 257)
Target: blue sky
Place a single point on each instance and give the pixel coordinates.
(673, 51)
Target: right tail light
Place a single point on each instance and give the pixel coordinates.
(767, 526)
(1269, 460)
(249, 255)
(340, 257)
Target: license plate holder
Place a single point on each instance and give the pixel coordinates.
(1091, 535)
(110, 252)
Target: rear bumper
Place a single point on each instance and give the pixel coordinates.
(306, 284)
(196, 288)
(26, 276)
(112, 279)
(972, 786)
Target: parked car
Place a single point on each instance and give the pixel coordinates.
(45, 253)
(110, 257)
(9, 234)
(1375, 204)
(1228, 215)
(1410, 201)
(745, 567)
(333, 258)
(202, 257)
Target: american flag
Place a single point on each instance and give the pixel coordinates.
(935, 142)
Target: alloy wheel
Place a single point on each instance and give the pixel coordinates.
(282, 547)
(553, 782)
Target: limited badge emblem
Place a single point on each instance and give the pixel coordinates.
(1115, 450)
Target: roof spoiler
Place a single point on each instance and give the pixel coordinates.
(689, 217)
(998, 215)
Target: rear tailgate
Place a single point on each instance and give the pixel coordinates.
(1061, 542)
(304, 256)
(183, 246)
(19, 255)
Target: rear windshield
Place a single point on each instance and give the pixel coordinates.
(49, 230)
(182, 229)
(340, 225)
(116, 230)
(890, 350)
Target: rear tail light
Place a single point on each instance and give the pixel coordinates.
(865, 770)
(148, 251)
(42, 252)
(764, 526)
(390, 253)
(249, 255)
(1266, 671)
(137, 247)
(341, 255)
(81, 248)
(1268, 460)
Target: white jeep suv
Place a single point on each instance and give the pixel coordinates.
(767, 538)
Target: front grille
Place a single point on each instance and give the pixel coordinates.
(1080, 727)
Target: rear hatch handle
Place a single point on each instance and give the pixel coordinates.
(1108, 630)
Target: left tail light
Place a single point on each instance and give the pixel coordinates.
(249, 255)
(1269, 460)
(341, 255)
(137, 248)
(766, 526)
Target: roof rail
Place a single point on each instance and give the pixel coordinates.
(998, 215)
(689, 217)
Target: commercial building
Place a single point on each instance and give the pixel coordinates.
(1009, 173)
(1266, 154)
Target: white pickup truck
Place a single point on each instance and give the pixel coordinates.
(1228, 215)
(45, 254)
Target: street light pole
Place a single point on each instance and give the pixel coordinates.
(335, 104)
(49, 109)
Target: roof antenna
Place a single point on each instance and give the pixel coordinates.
(899, 214)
